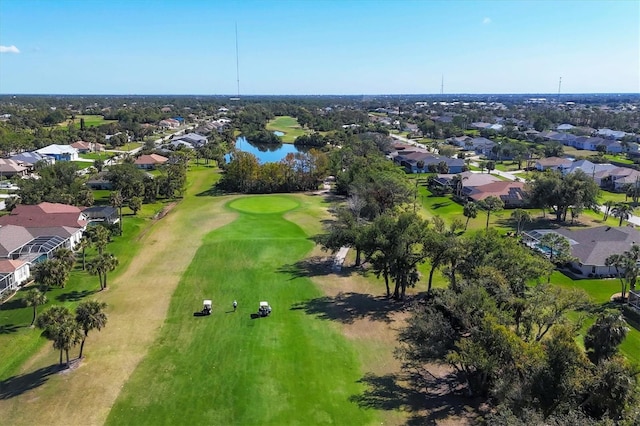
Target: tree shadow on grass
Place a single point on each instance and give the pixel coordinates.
(214, 191)
(74, 296)
(314, 266)
(17, 385)
(435, 399)
(437, 206)
(14, 303)
(9, 328)
(348, 307)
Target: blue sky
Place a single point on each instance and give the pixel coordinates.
(318, 47)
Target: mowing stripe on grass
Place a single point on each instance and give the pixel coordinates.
(229, 368)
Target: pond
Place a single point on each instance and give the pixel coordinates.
(266, 153)
(278, 133)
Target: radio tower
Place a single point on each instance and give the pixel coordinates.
(559, 87)
(237, 67)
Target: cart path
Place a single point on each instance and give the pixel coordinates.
(138, 302)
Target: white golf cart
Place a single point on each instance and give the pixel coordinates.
(206, 307)
(264, 310)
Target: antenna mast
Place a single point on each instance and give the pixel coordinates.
(237, 62)
(559, 87)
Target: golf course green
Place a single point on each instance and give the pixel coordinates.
(230, 367)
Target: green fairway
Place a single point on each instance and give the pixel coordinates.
(89, 121)
(287, 125)
(229, 368)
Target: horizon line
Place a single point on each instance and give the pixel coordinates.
(319, 94)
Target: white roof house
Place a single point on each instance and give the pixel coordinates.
(59, 152)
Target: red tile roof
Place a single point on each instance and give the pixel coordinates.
(505, 190)
(8, 266)
(151, 159)
(45, 215)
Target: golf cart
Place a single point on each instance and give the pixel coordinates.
(206, 308)
(264, 310)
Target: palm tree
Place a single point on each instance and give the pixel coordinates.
(470, 211)
(626, 266)
(633, 191)
(60, 326)
(83, 244)
(51, 272)
(622, 211)
(99, 237)
(491, 204)
(101, 265)
(66, 256)
(520, 216)
(558, 245)
(608, 205)
(457, 182)
(11, 203)
(605, 335)
(90, 315)
(35, 298)
(117, 201)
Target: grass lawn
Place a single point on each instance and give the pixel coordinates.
(600, 291)
(89, 121)
(507, 166)
(230, 368)
(129, 146)
(287, 125)
(96, 155)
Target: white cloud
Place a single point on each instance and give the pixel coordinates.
(486, 21)
(9, 49)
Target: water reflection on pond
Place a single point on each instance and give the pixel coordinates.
(266, 153)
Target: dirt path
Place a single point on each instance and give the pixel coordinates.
(138, 301)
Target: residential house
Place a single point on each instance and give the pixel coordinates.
(99, 181)
(59, 152)
(481, 146)
(10, 168)
(177, 143)
(592, 246)
(596, 171)
(150, 161)
(552, 163)
(29, 159)
(169, 123)
(86, 147)
(469, 179)
(511, 193)
(106, 214)
(49, 220)
(532, 134)
(409, 159)
(193, 139)
(564, 127)
(612, 146)
(13, 274)
(619, 178)
(611, 134)
(460, 141)
(31, 234)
